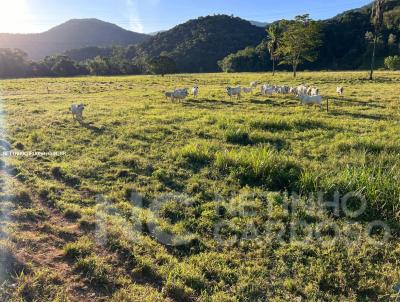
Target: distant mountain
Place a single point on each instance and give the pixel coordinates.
(76, 33)
(259, 24)
(198, 45)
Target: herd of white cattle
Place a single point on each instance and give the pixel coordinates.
(308, 95)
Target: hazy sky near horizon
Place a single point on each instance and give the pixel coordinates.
(29, 16)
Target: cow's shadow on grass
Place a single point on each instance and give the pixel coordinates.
(264, 102)
(208, 103)
(276, 102)
(375, 117)
(353, 102)
(90, 126)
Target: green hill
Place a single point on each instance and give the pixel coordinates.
(343, 43)
(197, 45)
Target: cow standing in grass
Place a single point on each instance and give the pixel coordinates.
(195, 91)
(234, 91)
(311, 100)
(77, 111)
(340, 90)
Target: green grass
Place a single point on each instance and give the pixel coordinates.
(216, 162)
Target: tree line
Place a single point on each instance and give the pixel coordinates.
(298, 43)
(14, 63)
(349, 41)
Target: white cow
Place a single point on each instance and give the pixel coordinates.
(77, 111)
(267, 90)
(234, 91)
(180, 94)
(311, 100)
(340, 90)
(301, 90)
(195, 91)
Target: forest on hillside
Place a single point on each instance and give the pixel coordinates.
(220, 42)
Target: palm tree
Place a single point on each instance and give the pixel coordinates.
(377, 21)
(274, 33)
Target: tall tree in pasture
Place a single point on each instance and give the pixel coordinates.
(299, 42)
(377, 22)
(274, 33)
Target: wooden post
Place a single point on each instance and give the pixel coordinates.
(327, 105)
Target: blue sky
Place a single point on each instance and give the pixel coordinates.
(153, 15)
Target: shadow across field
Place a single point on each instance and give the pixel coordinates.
(207, 103)
(353, 102)
(299, 125)
(375, 117)
(90, 126)
(264, 102)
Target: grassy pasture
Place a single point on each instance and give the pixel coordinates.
(216, 163)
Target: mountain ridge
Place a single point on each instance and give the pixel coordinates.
(74, 33)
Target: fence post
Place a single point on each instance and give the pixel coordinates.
(327, 105)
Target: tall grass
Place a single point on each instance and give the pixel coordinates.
(260, 167)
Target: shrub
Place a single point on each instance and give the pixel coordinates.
(392, 62)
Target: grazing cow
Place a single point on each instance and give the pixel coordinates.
(267, 90)
(234, 91)
(169, 94)
(195, 91)
(311, 100)
(301, 90)
(180, 94)
(285, 89)
(254, 84)
(247, 90)
(77, 111)
(340, 90)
